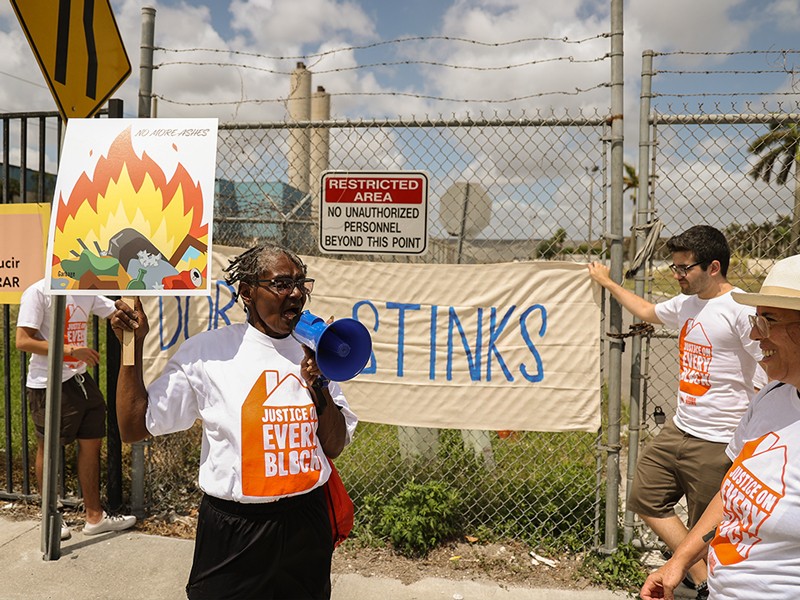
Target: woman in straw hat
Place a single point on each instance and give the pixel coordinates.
(751, 530)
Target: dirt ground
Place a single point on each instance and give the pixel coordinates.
(511, 564)
(508, 564)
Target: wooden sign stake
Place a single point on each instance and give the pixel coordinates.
(128, 347)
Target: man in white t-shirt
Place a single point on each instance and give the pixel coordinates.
(719, 374)
(83, 409)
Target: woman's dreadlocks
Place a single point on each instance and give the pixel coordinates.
(249, 265)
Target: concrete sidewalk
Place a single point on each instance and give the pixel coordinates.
(132, 565)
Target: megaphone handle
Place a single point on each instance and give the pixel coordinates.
(318, 394)
(320, 383)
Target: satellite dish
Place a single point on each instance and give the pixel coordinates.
(465, 209)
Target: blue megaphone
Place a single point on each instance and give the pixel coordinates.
(342, 348)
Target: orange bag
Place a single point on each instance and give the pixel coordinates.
(340, 507)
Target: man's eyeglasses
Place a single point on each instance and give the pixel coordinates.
(682, 270)
(285, 285)
(763, 325)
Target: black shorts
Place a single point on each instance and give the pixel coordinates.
(270, 551)
(83, 410)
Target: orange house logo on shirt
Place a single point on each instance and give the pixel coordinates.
(751, 491)
(75, 330)
(278, 438)
(695, 353)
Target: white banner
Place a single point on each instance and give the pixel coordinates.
(512, 346)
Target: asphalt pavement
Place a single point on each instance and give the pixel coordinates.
(138, 566)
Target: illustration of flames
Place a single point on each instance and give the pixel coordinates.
(127, 227)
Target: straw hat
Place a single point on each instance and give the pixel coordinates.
(781, 288)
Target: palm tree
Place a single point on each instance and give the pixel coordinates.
(630, 181)
(780, 146)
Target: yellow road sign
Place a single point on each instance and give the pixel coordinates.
(79, 49)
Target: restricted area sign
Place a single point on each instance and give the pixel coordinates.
(375, 212)
(79, 49)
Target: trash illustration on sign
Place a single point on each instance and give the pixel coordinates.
(126, 225)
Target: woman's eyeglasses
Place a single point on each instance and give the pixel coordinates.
(763, 325)
(284, 285)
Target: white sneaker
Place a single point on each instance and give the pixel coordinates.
(65, 532)
(109, 523)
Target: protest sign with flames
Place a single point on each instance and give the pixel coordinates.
(132, 210)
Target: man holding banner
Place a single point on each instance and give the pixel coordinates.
(718, 373)
(270, 424)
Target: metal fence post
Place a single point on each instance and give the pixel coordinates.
(642, 206)
(146, 60)
(615, 250)
(145, 98)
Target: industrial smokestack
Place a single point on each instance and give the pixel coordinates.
(320, 146)
(299, 138)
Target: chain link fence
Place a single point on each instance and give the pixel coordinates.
(40, 134)
(545, 182)
(729, 165)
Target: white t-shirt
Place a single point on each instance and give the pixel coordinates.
(718, 363)
(756, 552)
(35, 312)
(259, 422)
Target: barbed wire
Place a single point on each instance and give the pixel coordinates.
(756, 109)
(722, 53)
(721, 72)
(317, 58)
(576, 92)
(779, 57)
(570, 59)
(403, 40)
(718, 94)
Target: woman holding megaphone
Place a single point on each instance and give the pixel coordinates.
(270, 422)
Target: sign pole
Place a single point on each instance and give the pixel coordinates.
(51, 518)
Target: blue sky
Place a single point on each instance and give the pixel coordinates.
(265, 38)
(290, 28)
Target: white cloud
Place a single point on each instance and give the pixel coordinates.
(689, 25)
(255, 33)
(270, 23)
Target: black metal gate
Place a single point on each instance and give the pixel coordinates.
(30, 157)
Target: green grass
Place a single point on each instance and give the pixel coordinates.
(542, 487)
(13, 384)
